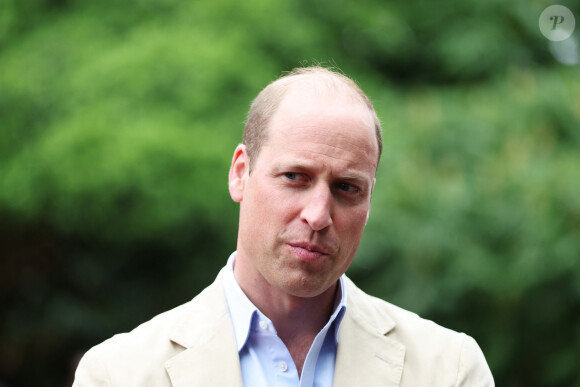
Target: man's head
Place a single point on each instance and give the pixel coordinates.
(266, 103)
(304, 206)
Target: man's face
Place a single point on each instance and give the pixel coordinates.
(304, 207)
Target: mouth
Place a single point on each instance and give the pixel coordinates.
(308, 251)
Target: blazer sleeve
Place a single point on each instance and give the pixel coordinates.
(473, 370)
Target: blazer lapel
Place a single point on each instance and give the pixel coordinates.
(366, 356)
(205, 331)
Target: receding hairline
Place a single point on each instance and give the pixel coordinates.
(314, 79)
(325, 80)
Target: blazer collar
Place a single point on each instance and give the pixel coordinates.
(204, 362)
(366, 355)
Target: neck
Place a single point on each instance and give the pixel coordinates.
(291, 314)
(296, 316)
(297, 319)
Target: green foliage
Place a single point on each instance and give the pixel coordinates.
(477, 208)
(117, 125)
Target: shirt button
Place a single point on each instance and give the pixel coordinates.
(263, 325)
(282, 366)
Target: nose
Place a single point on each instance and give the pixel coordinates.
(317, 210)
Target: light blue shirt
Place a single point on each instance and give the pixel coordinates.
(264, 359)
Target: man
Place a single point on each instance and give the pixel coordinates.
(282, 312)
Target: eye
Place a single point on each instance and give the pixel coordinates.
(291, 175)
(346, 187)
(295, 179)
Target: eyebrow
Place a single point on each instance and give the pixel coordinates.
(349, 175)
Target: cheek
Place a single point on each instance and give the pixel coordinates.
(269, 208)
(351, 224)
(277, 202)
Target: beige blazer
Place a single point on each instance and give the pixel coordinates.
(379, 344)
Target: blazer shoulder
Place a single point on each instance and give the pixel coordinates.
(150, 334)
(433, 354)
(142, 352)
(389, 318)
(131, 358)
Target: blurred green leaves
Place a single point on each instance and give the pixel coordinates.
(117, 125)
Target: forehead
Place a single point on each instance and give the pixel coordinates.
(335, 128)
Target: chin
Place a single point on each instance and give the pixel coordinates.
(305, 287)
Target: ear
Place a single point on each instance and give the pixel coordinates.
(369, 211)
(239, 172)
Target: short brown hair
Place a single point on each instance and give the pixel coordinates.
(266, 103)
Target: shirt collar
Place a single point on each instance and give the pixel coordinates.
(242, 310)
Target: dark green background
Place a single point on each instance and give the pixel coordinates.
(117, 124)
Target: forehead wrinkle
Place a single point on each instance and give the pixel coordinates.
(341, 141)
(350, 171)
(339, 152)
(327, 155)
